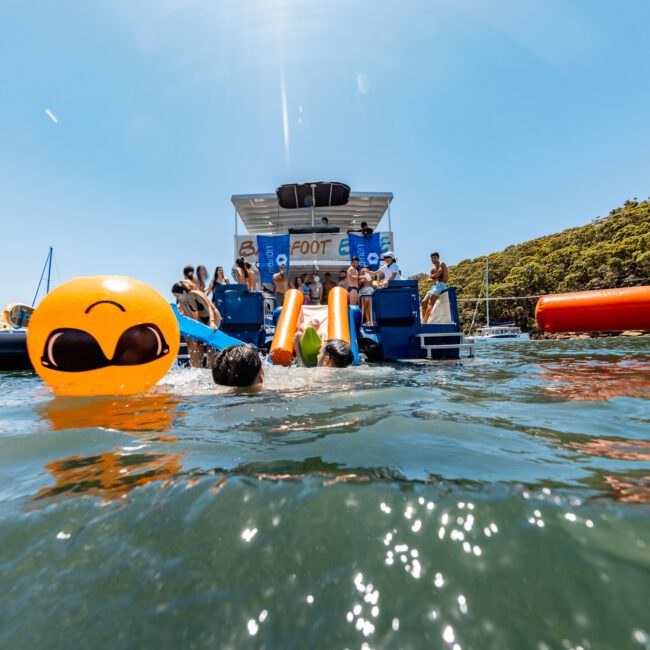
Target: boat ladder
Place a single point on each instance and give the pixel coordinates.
(428, 343)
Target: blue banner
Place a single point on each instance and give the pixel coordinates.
(272, 251)
(367, 249)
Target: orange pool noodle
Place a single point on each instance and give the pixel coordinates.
(604, 310)
(338, 325)
(282, 347)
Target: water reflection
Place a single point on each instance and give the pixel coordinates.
(596, 381)
(112, 474)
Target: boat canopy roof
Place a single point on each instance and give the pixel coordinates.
(263, 214)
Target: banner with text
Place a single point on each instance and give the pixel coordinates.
(273, 250)
(367, 249)
(330, 249)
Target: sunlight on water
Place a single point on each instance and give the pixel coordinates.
(500, 502)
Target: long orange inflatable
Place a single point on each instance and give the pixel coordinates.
(595, 311)
(282, 346)
(338, 324)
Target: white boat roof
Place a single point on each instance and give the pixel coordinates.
(262, 214)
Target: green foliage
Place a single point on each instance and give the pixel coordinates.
(612, 251)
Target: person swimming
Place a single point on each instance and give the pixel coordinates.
(238, 366)
(310, 349)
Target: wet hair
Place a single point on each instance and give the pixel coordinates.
(435, 254)
(238, 365)
(340, 352)
(242, 265)
(188, 272)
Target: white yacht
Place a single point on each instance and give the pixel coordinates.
(496, 331)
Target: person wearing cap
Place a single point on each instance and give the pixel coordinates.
(388, 269)
(281, 283)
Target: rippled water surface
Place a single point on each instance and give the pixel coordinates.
(498, 503)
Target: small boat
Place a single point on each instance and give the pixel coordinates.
(13, 327)
(496, 331)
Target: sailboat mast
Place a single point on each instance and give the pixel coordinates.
(49, 270)
(487, 289)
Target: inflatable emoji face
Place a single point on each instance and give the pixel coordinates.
(103, 335)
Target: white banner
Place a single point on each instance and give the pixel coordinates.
(305, 249)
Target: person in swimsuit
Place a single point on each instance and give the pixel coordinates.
(316, 290)
(281, 283)
(343, 279)
(311, 350)
(241, 272)
(366, 290)
(218, 279)
(439, 276)
(251, 276)
(328, 285)
(195, 304)
(188, 273)
(353, 281)
(299, 284)
(201, 277)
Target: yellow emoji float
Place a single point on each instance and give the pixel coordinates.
(103, 335)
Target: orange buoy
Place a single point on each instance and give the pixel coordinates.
(604, 310)
(338, 324)
(282, 345)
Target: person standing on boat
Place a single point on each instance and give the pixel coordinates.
(328, 285)
(201, 278)
(365, 291)
(353, 281)
(218, 278)
(300, 284)
(241, 272)
(364, 230)
(316, 290)
(439, 276)
(281, 283)
(195, 304)
(389, 270)
(251, 276)
(343, 279)
(188, 273)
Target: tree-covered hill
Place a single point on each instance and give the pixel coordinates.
(612, 251)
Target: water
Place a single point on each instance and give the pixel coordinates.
(501, 503)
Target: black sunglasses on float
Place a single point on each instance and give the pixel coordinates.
(74, 350)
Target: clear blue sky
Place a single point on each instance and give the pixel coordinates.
(491, 121)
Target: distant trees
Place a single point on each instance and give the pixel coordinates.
(612, 251)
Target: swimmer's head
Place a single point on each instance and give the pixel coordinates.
(335, 353)
(239, 366)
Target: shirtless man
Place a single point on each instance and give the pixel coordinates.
(353, 281)
(195, 304)
(343, 279)
(328, 284)
(439, 276)
(281, 284)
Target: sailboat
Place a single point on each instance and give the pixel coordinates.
(496, 331)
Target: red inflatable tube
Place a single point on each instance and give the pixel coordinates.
(605, 310)
(282, 346)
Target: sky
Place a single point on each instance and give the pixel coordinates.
(125, 127)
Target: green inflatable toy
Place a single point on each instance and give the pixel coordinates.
(310, 345)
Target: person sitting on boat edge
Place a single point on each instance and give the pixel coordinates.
(439, 276)
(238, 366)
(388, 269)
